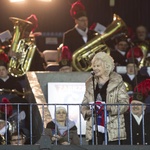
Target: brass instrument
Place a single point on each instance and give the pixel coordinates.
(22, 47)
(147, 62)
(81, 59)
(128, 86)
(144, 47)
(13, 91)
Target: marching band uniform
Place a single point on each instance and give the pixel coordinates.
(78, 35)
(136, 122)
(5, 124)
(8, 83)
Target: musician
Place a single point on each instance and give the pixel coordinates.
(78, 35)
(18, 138)
(120, 52)
(138, 115)
(5, 112)
(38, 55)
(141, 35)
(132, 76)
(9, 86)
(144, 88)
(141, 38)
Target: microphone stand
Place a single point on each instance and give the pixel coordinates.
(95, 116)
(132, 55)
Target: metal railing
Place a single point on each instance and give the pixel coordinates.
(80, 123)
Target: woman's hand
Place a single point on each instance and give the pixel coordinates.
(56, 137)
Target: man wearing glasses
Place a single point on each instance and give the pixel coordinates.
(78, 35)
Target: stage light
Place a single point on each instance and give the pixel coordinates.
(45, 0)
(15, 1)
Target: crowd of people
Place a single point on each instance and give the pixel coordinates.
(108, 94)
(112, 115)
(12, 94)
(117, 123)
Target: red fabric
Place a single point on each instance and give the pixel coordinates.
(92, 27)
(66, 54)
(8, 108)
(143, 87)
(4, 57)
(136, 51)
(100, 111)
(32, 18)
(76, 7)
(130, 33)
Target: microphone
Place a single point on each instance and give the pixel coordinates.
(92, 73)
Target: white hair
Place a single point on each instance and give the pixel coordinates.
(61, 108)
(106, 59)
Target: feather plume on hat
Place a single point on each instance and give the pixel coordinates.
(66, 57)
(5, 110)
(33, 19)
(77, 10)
(143, 87)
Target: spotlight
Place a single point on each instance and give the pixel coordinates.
(15, 1)
(45, 0)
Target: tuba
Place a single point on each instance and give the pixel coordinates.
(144, 61)
(22, 47)
(81, 59)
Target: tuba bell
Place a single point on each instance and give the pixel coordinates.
(81, 59)
(144, 47)
(22, 48)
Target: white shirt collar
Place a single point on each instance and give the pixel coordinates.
(82, 33)
(121, 52)
(138, 119)
(131, 76)
(5, 79)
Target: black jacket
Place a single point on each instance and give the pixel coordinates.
(119, 59)
(137, 79)
(74, 40)
(137, 130)
(73, 137)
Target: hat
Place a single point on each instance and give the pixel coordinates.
(132, 61)
(121, 38)
(4, 57)
(143, 87)
(33, 19)
(77, 10)
(138, 97)
(5, 110)
(66, 57)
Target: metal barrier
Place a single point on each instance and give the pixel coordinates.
(32, 130)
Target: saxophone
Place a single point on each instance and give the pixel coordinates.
(22, 47)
